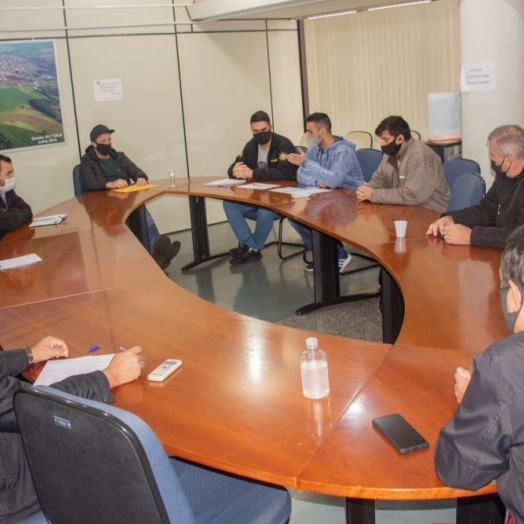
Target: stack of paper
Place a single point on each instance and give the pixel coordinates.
(12, 263)
(226, 182)
(51, 220)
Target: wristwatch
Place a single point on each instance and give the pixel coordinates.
(29, 355)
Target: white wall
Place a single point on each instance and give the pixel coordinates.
(188, 92)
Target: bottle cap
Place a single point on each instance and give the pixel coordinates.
(311, 343)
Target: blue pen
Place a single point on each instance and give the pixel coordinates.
(93, 348)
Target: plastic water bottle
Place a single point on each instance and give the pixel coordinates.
(314, 370)
(172, 178)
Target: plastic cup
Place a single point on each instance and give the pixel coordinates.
(400, 228)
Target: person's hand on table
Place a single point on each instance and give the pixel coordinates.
(296, 158)
(141, 182)
(116, 184)
(364, 192)
(125, 367)
(240, 170)
(457, 234)
(435, 228)
(49, 347)
(462, 378)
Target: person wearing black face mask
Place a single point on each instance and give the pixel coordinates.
(410, 172)
(502, 209)
(104, 168)
(263, 158)
(484, 440)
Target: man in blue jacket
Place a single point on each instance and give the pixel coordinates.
(330, 162)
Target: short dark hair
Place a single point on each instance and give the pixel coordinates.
(4, 158)
(260, 116)
(395, 126)
(320, 119)
(512, 263)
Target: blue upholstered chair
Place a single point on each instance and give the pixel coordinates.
(369, 160)
(76, 181)
(92, 462)
(468, 190)
(457, 166)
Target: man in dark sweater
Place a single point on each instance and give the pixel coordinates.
(502, 209)
(104, 168)
(13, 210)
(263, 158)
(17, 494)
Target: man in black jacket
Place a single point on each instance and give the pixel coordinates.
(103, 168)
(263, 158)
(502, 209)
(17, 494)
(13, 210)
(484, 440)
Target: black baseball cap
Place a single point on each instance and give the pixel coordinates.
(99, 130)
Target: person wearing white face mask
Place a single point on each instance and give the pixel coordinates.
(330, 162)
(14, 211)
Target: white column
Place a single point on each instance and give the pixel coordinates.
(492, 31)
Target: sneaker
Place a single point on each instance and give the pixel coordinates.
(160, 248)
(309, 268)
(238, 251)
(250, 255)
(170, 254)
(344, 258)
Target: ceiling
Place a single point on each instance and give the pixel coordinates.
(208, 10)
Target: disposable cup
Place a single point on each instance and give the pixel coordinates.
(400, 228)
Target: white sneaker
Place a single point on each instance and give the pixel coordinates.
(344, 258)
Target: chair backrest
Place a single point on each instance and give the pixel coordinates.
(303, 141)
(415, 135)
(77, 185)
(457, 166)
(467, 191)
(361, 139)
(92, 462)
(369, 160)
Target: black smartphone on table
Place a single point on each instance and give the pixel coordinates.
(400, 433)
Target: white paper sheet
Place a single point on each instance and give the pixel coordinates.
(226, 182)
(56, 370)
(25, 260)
(51, 220)
(259, 185)
(300, 192)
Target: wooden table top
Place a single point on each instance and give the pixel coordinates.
(236, 403)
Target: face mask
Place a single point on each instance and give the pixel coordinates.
(263, 137)
(9, 185)
(497, 169)
(314, 141)
(511, 318)
(103, 149)
(392, 148)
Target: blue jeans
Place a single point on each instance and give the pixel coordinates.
(152, 231)
(304, 232)
(236, 216)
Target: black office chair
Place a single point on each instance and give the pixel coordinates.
(457, 166)
(361, 139)
(468, 190)
(416, 135)
(92, 462)
(77, 185)
(369, 160)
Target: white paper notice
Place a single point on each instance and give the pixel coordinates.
(478, 77)
(108, 90)
(57, 370)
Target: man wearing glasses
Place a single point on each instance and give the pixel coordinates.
(263, 158)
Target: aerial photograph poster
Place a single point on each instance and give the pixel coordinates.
(30, 113)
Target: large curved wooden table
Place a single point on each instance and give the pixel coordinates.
(236, 404)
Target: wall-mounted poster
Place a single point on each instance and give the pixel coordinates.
(30, 113)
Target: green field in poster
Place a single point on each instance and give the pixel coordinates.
(30, 112)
